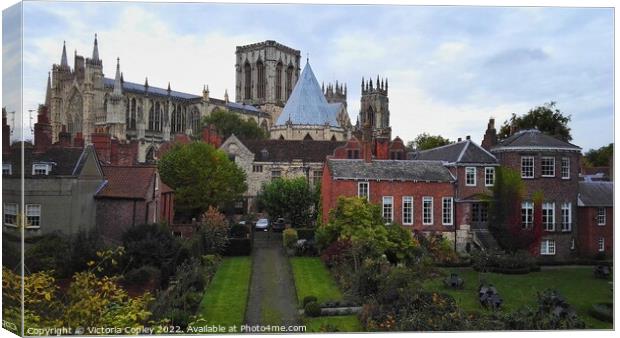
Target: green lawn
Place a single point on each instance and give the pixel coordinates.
(313, 279)
(576, 284)
(225, 299)
(348, 323)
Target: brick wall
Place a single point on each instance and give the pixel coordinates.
(590, 232)
(114, 216)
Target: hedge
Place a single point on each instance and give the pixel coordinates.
(306, 233)
(238, 247)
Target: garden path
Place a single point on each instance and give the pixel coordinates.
(272, 299)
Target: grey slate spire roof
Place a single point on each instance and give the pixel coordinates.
(63, 58)
(95, 50)
(307, 104)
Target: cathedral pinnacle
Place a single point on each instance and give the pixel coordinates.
(146, 83)
(63, 59)
(226, 95)
(95, 50)
(48, 91)
(117, 79)
(168, 87)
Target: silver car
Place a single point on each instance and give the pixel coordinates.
(262, 224)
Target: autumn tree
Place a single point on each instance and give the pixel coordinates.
(293, 199)
(201, 177)
(546, 118)
(426, 141)
(227, 123)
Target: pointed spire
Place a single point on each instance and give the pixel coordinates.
(168, 87)
(117, 79)
(370, 84)
(48, 91)
(226, 95)
(345, 89)
(362, 83)
(63, 58)
(122, 78)
(95, 50)
(146, 83)
(386, 84)
(377, 81)
(323, 87)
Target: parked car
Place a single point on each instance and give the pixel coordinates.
(262, 224)
(279, 224)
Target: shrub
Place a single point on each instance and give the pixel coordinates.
(238, 247)
(603, 312)
(309, 299)
(312, 309)
(508, 263)
(553, 313)
(142, 275)
(306, 233)
(214, 231)
(239, 231)
(336, 253)
(289, 238)
(50, 252)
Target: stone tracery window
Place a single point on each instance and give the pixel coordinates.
(247, 70)
(261, 83)
(279, 81)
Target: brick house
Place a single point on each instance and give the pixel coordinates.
(266, 160)
(596, 219)
(551, 166)
(416, 194)
(474, 170)
(132, 195)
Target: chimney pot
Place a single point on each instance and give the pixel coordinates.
(467, 137)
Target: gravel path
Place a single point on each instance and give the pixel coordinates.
(272, 299)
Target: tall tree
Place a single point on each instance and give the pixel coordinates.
(227, 123)
(293, 199)
(426, 141)
(600, 157)
(201, 176)
(546, 118)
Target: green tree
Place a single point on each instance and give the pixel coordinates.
(600, 157)
(426, 141)
(227, 123)
(293, 199)
(546, 118)
(201, 177)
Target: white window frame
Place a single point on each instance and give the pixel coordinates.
(529, 214)
(565, 168)
(489, 172)
(389, 205)
(426, 209)
(447, 213)
(41, 166)
(542, 166)
(469, 171)
(5, 213)
(601, 244)
(532, 165)
(28, 213)
(316, 179)
(566, 214)
(8, 168)
(257, 168)
(548, 216)
(572, 243)
(409, 209)
(547, 247)
(359, 190)
(601, 218)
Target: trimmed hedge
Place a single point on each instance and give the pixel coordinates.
(289, 238)
(312, 309)
(238, 247)
(309, 299)
(603, 312)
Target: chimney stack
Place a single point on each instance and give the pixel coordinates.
(490, 136)
(42, 131)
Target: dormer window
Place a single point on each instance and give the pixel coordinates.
(41, 169)
(7, 169)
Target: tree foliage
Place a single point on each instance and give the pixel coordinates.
(201, 177)
(546, 118)
(293, 199)
(227, 123)
(213, 232)
(426, 141)
(600, 157)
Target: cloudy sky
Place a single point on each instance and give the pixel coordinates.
(449, 68)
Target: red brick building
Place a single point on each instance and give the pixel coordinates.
(550, 166)
(132, 195)
(595, 215)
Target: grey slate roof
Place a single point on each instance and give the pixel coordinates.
(307, 104)
(596, 194)
(390, 170)
(64, 161)
(139, 88)
(533, 138)
(289, 150)
(460, 152)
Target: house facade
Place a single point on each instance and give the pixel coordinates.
(595, 212)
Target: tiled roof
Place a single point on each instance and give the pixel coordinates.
(533, 138)
(460, 152)
(395, 170)
(139, 88)
(64, 161)
(596, 194)
(289, 150)
(307, 104)
(131, 182)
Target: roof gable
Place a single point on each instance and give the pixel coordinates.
(130, 182)
(461, 152)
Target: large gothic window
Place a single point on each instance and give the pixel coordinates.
(260, 70)
(173, 120)
(195, 121)
(127, 114)
(279, 81)
(179, 127)
(151, 117)
(157, 122)
(132, 120)
(247, 70)
(74, 116)
(289, 81)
